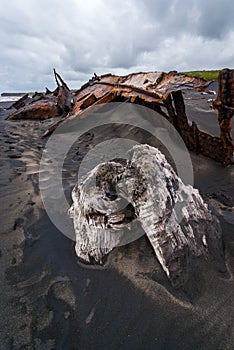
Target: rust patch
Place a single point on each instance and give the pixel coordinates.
(38, 110)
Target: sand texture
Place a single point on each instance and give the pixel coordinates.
(49, 300)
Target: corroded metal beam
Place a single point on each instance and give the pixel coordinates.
(225, 106)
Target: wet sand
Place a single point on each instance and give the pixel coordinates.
(51, 301)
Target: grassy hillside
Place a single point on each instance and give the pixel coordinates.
(206, 74)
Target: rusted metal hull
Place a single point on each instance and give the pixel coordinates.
(159, 91)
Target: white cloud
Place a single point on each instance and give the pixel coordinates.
(186, 52)
(79, 37)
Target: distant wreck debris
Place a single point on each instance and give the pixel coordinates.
(44, 105)
(159, 91)
(174, 217)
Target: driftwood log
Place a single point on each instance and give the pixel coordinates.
(117, 194)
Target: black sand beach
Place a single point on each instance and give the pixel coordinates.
(51, 301)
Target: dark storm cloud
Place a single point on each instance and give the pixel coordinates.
(210, 18)
(216, 18)
(80, 37)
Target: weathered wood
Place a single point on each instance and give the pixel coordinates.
(174, 217)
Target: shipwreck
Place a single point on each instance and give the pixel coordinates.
(159, 91)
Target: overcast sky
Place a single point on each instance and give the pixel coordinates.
(80, 37)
